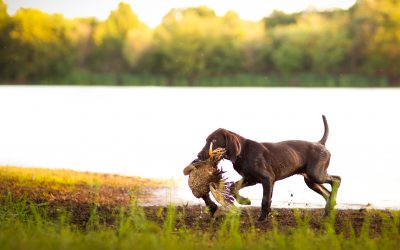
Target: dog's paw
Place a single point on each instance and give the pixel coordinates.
(212, 209)
(262, 218)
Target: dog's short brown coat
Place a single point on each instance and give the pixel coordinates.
(266, 163)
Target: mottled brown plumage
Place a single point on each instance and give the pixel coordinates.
(201, 176)
(204, 175)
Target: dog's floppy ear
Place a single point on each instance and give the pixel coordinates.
(233, 146)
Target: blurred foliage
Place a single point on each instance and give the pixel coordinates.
(194, 44)
(376, 31)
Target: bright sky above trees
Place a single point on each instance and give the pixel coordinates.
(152, 11)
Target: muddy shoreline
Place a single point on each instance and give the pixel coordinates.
(197, 218)
(108, 199)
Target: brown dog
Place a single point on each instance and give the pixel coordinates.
(266, 163)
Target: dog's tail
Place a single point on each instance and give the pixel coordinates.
(326, 131)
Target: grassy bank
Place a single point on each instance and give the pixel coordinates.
(42, 185)
(77, 222)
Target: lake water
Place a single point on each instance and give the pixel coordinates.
(156, 132)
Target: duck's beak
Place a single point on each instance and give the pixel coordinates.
(210, 151)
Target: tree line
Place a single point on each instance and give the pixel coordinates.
(195, 43)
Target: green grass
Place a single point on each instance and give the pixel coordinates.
(237, 80)
(25, 225)
(299, 80)
(95, 218)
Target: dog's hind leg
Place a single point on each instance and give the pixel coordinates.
(317, 174)
(318, 188)
(334, 181)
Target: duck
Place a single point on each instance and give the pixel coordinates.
(205, 177)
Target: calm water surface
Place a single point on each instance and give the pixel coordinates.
(156, 132)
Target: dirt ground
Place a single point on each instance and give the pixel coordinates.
(196, 218)
(81, 200)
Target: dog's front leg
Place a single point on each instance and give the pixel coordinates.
(242, 183)
(212, 207)
(266, 200)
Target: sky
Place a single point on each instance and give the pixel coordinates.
(152, 11)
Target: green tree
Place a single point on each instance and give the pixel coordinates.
(83, 42)
(280, 18)
(4, 17)
(376, 39)
(329, 42)
(224, 45)
(316, 42)
(109, 38)
(137, 45)
(180, 43)
(5, 41)
(194, 42)
(39, 45)
(289, 54)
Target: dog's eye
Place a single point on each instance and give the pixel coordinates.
(214, 141)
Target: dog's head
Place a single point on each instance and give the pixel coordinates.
(222, 138)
